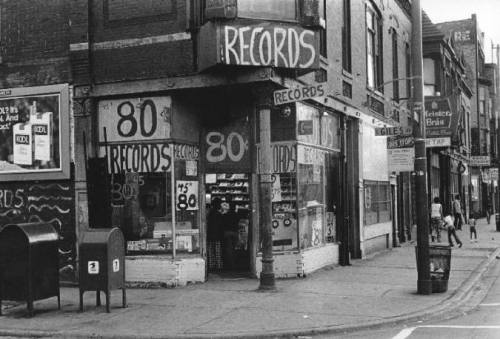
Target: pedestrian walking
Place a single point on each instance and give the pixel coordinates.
(489, 209)
(215, 235)
(436, 219)
(448, 220)
(472, 226)
(457, 212)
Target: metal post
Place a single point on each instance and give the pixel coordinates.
(424, 284)
(267, 281)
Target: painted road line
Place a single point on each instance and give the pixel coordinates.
(492, 304)
(405, 333)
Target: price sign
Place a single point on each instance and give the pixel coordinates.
(186, 195)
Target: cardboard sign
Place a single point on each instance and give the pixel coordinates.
(116, 265)
(129, 119)
(401, 153)
(276, 190)
(22, 144)
(186, 195)
(42, 135)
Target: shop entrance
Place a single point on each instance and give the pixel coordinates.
(228, 222)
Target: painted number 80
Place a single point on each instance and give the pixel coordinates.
(218, 150)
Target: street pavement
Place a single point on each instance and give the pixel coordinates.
(368, 295)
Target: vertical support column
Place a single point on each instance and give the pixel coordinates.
(267, 281)
(424, 283)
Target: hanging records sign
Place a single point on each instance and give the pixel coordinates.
(401, 153)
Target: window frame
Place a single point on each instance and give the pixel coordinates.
(346, 36)
(374, 48)
(395, 67)
(260, 17)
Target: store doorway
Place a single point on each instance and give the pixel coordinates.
(228, 223)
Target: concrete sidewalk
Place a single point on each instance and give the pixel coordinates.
(370, 293)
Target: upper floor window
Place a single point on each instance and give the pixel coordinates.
(346, 36)
(429, 77)
(408, 70)
(395, 67)
(265, 9)
(374, 48)
(322, 32)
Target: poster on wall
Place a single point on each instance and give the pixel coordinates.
(31, 132)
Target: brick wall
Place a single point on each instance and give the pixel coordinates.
(34, 42)
(121, 33)
(393, 16)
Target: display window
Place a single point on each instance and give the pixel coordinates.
(308, 124)
(377, 202)
(34, 133)
(311, 196)
(154, 183)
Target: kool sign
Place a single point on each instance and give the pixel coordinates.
(266, 44)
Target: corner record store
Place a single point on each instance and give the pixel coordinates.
(169, 157)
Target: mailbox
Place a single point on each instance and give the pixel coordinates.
(29, 263)
(102, 264)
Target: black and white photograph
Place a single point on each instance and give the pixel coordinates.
(197, 169)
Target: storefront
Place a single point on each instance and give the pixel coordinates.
(305, 142)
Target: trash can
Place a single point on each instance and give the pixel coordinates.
(439, 266)
(497, 220)
(29, 263)
(440, 263)
(102, 264)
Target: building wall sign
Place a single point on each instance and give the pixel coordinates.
(438, 117)
(438, 142)
(263, 44)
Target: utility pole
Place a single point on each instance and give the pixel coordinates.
(424, 283)
(267, 281)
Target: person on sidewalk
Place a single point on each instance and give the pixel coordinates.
(214, 235)
(448, 220)
(489, 209)
(230, 227)
(472, 226)
(457, 213)
(436, 219)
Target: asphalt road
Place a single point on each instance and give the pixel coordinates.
(480, 318)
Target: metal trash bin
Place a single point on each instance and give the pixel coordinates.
(440, 264)
(102, 264)
(29, 263)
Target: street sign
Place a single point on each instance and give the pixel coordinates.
(398, 130)
(288, 95)
(480, 160)
(401, 153)
(438, 142)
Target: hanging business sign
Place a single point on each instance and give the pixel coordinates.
(438, 116)
(398, 130)
(260, 45)
(438, 142)
(288, 95)
(401, 153)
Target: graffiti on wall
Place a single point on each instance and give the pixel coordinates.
(50, 202)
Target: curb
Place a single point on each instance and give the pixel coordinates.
(459, 298)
